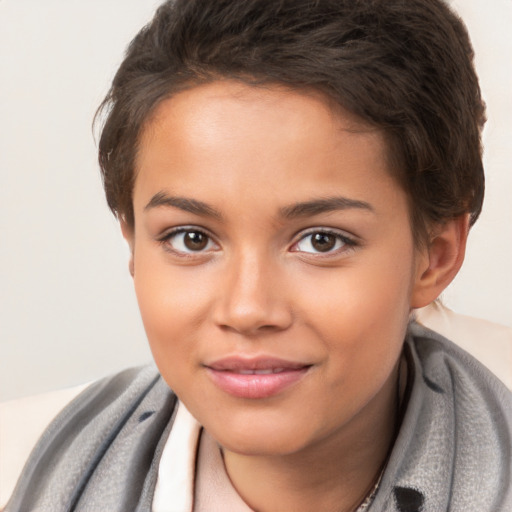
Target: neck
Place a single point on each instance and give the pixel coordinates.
(334, 474)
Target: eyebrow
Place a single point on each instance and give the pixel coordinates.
(296, 210)
(183, 203)
(318, 206)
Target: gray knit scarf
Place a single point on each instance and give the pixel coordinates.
(453, 451)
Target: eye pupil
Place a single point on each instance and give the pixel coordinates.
(195, 240)
(323, 242)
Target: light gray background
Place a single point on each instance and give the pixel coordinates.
(67, 308)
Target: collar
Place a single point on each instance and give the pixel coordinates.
(175, 483)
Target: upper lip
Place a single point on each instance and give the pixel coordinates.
(237, 363)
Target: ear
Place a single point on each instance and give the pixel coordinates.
(129, 236)
(439, 262)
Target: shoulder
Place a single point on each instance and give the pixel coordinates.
(22, 422)
(110, 397)
(79, 435)
(455, 443)
(447, 367)
(488, 342)
(454, 447)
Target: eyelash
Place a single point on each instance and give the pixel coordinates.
(348, 243)
(165, 240)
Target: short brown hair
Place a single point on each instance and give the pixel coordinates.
(405, 67)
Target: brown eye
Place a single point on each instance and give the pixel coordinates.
(317, 242)
(195, 240)
(188, 241)
(323, 242)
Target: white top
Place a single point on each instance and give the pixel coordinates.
(174, 490)
(204, 485)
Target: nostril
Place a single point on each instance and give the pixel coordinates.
(250, 330)
(268, 327)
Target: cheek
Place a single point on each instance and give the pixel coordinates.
(167, 292)
(361, 315)
(363, 296)
(173, 304)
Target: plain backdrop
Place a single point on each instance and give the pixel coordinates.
(67, 309)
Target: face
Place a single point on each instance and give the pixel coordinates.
(273, 263)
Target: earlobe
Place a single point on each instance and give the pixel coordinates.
(440, 262)
(128, 235)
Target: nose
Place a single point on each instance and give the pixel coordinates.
(252, 298)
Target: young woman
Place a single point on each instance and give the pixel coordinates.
(293, 179)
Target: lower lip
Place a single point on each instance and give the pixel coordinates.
(256, 386)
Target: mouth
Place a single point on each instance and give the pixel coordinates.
(255, 378)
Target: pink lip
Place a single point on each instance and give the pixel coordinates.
(255, 377)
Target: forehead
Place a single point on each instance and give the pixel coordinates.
(218, 100)
(227, 137)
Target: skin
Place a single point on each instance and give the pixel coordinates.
(247, 156)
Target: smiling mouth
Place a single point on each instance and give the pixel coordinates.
(262, 372)
(255, 378)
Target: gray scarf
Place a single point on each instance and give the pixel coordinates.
(453, 451)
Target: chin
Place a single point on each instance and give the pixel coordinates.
(260, 438)
(261, 445)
